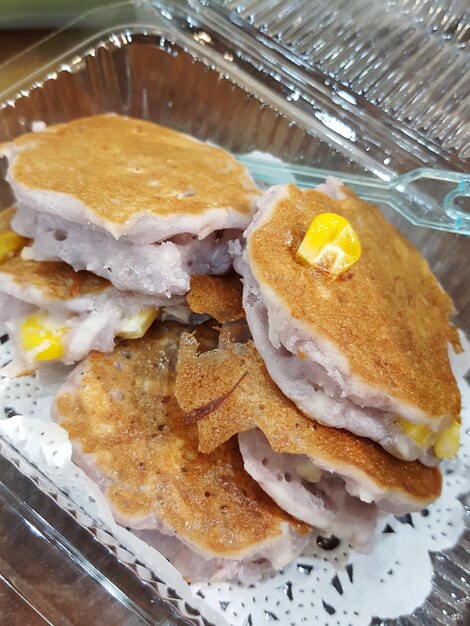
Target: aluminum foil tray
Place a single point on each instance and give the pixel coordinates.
(192, 69)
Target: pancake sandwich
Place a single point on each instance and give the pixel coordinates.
(139, 204)
(53, 313)
(327, 477)
(202, 511)
(350, 321)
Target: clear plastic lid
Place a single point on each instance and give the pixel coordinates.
(221, 72)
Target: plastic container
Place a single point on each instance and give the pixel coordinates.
(200, 69)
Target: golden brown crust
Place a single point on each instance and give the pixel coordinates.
(119, 167)
(232, 391)
(124, 413)
(55, 280)
(217, 296)
(387, 316)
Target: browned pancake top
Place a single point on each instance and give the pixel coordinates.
(124, 413)
(55, 280)
(217, 296)
(119, 167)
(387, 316)
(228, 390)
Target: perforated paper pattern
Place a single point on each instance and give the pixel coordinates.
(329, 584)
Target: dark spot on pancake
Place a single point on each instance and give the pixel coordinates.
(210, 407)
(60, 235)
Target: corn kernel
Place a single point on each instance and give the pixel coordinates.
(330, 244)
(137, 325)
(40, 335)
(308, 471)
(448, 442)
(421, 435)
(10, 243)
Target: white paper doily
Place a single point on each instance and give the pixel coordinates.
(330, 587)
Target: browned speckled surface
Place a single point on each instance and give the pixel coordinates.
(134, 167)
(387, 316)
(234, 383)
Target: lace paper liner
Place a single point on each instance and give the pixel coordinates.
(330, 587)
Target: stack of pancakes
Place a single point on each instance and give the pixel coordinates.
(141, 206)
(253, 415)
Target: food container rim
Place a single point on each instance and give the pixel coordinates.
(350, 124)
(140, 17)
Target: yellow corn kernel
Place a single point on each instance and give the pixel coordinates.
(40, 335)
(10, 243)
(330, 244)
(137, 325)
(421, 435)
(308, 471)
(448, 442)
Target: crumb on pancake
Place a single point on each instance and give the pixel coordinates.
(217, 296)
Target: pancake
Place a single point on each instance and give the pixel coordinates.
(137, 203)
(360, 352)
(227, 390)
(124, 174)
(82, 311)
(128, 433)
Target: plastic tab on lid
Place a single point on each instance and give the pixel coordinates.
(416, 195)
